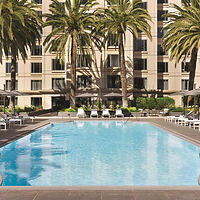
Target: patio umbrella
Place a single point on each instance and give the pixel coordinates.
(195, 92)
(112, 94)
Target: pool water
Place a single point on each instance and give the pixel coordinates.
(99, 153)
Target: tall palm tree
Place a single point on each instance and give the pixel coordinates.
(183, 34)
(20, 28)
(121, 16)
(71, 29)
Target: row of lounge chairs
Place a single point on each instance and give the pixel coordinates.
(94, 113)
(8, 118)
(188, 119)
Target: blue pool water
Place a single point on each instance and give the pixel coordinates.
(100, 153)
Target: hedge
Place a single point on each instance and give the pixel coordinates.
(154, 103)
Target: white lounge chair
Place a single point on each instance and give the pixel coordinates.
(94, 113)
(178, 119)
(11, 120)
(25, 116)
(81, 113)
(105, 113)
(118, 113)
(3, 123)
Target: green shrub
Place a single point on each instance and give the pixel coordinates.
(177, 109)
(111, 106)
(89, 106)
(68, 110)
(151, 103)
(132, 109)
(18, 109)
(154, 103)
(29, 109)
(165, 102)
(141, 103)
(125, 109)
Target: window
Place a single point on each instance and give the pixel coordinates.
(140, 64)
(113, 81)
(36, 67)
(162, 84)
(36, 84)
(140, 83)
(185, 66)
(140, 45)
(84, 81)
(8, 68)
(36, 101)
(162, 1)
(8, 85)
(57, 65)
(162, 67)
(144, 5)
(184, 84)
(84, 61)
(113, 60)
(112, 41)
(161, 33)
(38, 1)
(37, 51)
(84, 2)
(57, 83)
(161, 52)
(160, 15)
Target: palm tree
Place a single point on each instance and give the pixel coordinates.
(20, 28)
(183, 34)
(71, 29)
(122, 16)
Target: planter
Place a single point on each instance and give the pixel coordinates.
(136, 114)
(175, 113)
(67, 114)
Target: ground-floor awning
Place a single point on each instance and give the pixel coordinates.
(113, 94)
(86, 95)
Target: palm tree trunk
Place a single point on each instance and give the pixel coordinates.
(123, 70)
(73, 71)
(193, 64)
(13, 86)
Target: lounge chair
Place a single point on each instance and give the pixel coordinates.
(25, 116)
(81, 113)
(11, 120)
(178, 119)
(94, 113)
(3, 123)
(118, 113)
(105, 113)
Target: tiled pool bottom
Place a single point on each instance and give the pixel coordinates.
(100, 153)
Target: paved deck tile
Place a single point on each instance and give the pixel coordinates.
(151, 195)
(117, 195)
(18, 195)
(84, 195)
(52, 195)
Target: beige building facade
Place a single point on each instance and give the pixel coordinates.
(153, 73)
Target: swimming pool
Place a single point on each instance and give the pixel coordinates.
(99, 153)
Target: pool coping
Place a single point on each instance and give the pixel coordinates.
(104, 188)
(95, 188)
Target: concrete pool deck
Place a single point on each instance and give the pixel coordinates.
(100, 193)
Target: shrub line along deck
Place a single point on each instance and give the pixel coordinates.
(100, 192)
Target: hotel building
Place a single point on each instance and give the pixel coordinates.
(153, 73)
